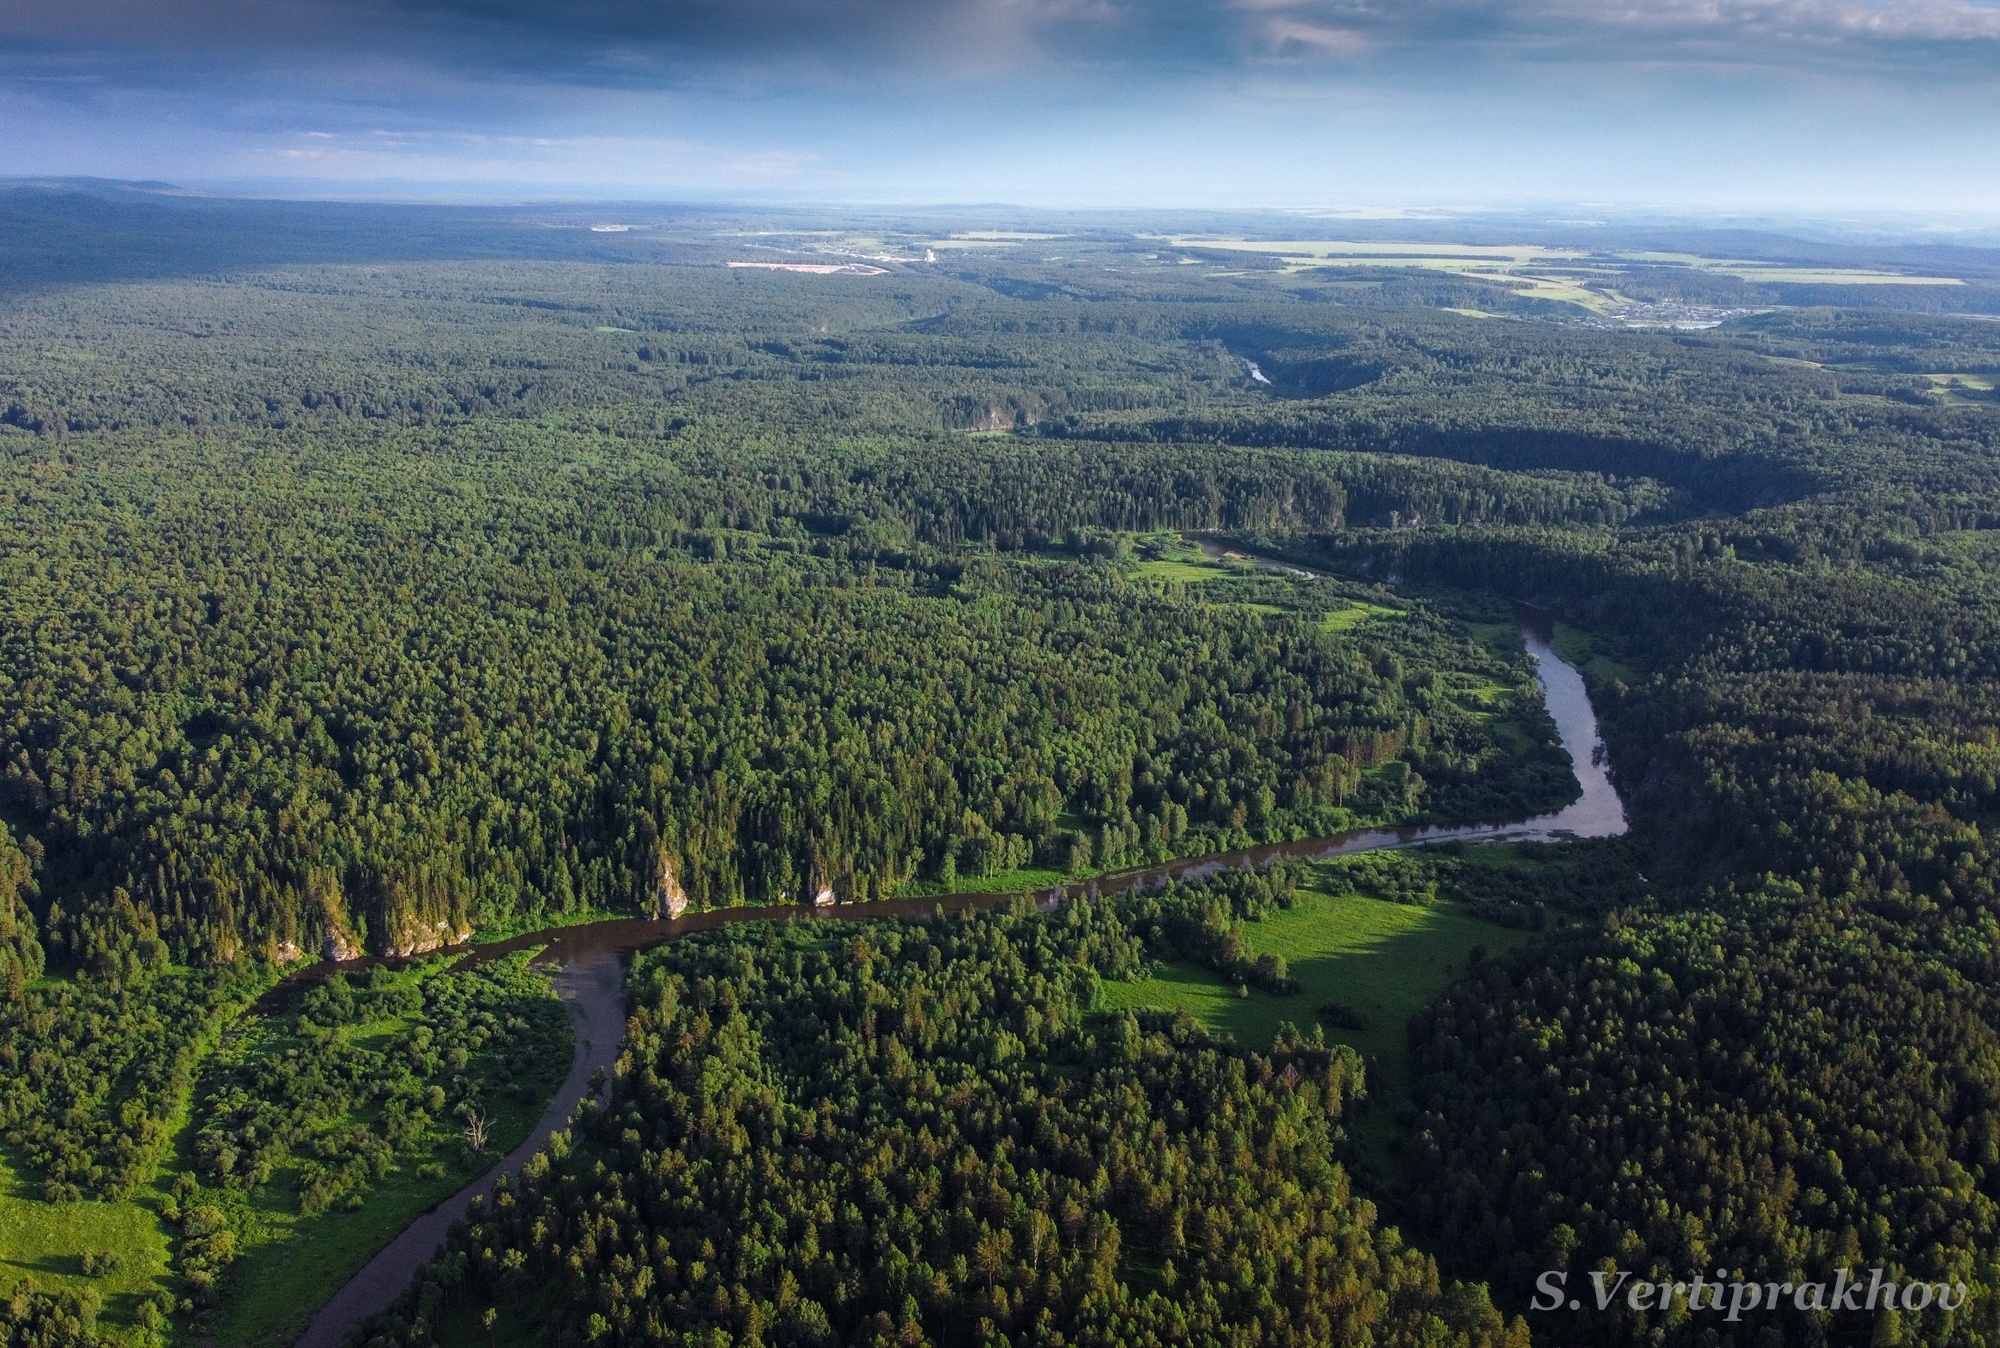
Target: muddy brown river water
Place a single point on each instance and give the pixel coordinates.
(590, 958)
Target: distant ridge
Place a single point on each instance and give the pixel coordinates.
(105, 186)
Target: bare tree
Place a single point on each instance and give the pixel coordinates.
(476, 1125)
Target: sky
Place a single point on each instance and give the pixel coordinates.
(1854, 107)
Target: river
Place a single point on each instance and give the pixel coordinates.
(590, 958)
(592, 989)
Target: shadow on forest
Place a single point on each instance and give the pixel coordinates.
(66, 232)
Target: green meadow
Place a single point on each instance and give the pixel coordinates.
(1386, 960)
(54, 1243)
(1357, 612)
(1180, 571)
(287, 1263)
(292, 1262)
(1172, 560)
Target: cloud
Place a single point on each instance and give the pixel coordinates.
(1748, 32)
(1794, 20)
(1281, 35)
(613, 42)
(965, 95)
(625, 42)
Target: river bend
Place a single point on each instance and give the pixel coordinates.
(591, 958)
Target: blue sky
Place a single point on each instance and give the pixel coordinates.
(1841, 106)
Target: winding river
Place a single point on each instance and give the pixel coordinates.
(590, 958)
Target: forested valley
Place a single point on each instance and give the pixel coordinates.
(367, 606)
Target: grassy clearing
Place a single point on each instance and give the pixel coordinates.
(1355, 614)
(293, 1263)
(1566, 289)
(1961, 383)
(1005, 882)
(290, 1262)
(50, 1241)
(1564, 275)
(1180, 572)
(1387, 960)
(1483, 699)
(118, 1249)
(1170, 559)
(1541, 273)
(1175, 561)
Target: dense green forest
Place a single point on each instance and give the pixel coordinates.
(360, 601)
(917, 1133)
(371, 673)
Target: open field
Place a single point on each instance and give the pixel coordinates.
(1340, 620)
(1587, 280)
(293, 1263)
(1192, 568)
(49, 1241)
(1565, 289)
(1502, 637)
(1483, 698)
(289, 1263)
(1475, 259)
(1541, 273)
(1181, 572)
(1387, 960)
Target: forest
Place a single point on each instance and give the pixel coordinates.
(935, 1142)
(370, 600)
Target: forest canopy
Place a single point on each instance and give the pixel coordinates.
(362, 603)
